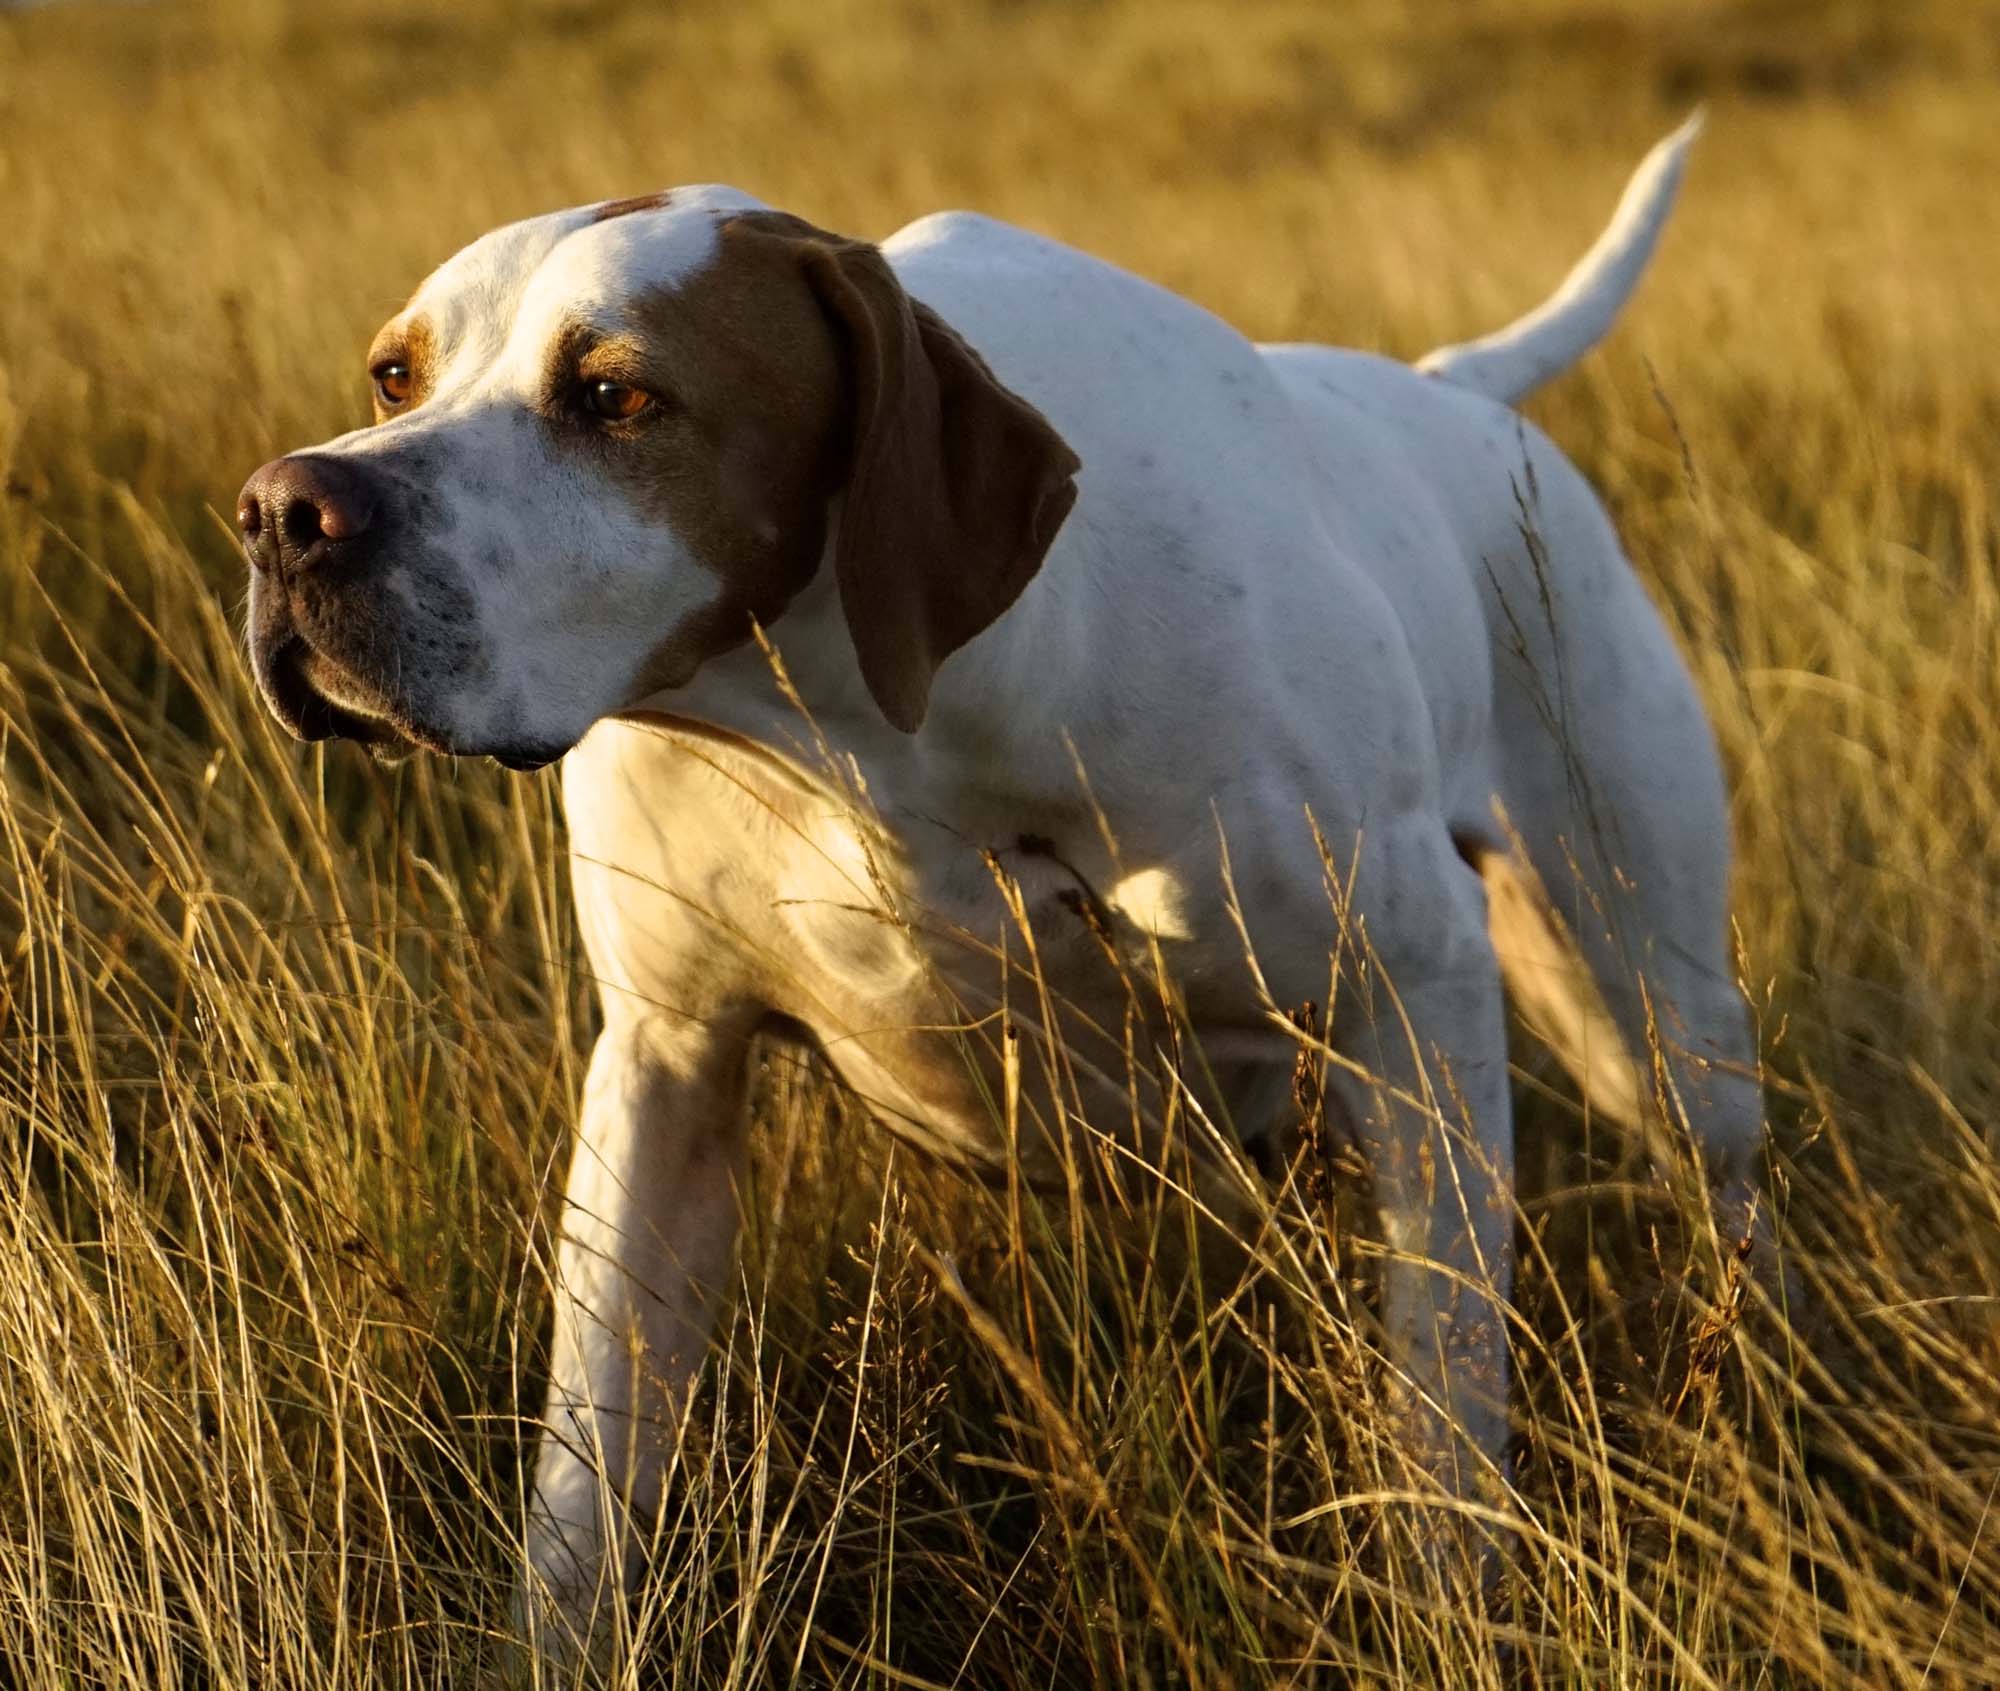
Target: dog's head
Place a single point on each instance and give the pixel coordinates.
(608, 440)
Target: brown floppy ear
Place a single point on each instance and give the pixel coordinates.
(955, 485)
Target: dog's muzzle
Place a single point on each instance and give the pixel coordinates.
(358, 630)
(313, 529)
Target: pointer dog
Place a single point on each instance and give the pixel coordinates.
(1080, 596)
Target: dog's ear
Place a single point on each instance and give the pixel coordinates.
(955, 486)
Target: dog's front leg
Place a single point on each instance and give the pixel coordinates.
(1435, 1118)
(647, 1232)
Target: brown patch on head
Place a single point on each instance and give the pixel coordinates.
(638, 202)
(794, 367)
(412, 343)
(743, 447)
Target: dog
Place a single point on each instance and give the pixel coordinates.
(885, 601)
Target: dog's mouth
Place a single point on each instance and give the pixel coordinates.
(315, 699)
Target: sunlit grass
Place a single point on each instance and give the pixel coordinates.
(289, 1045)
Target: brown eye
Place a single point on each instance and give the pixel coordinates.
(614, 402)
(392, 384)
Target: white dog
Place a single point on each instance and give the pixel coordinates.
(1088, 609)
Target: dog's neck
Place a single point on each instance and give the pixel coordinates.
(789, 683)
(797, 687)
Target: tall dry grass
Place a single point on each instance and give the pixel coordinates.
(288, 1046)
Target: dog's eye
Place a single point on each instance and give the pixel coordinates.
(392, 384)
(614, 402)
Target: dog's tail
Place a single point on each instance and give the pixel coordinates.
(1511, 363)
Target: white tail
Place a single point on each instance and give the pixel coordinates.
(1511, 363)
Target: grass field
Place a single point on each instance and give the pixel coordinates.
(289, 1045)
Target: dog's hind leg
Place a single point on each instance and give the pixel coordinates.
(1640, 1010)
(1611, 801)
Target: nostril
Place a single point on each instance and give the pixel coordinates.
(301, 523)
(345, 508)
(298, 513)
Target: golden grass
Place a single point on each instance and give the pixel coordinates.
(288, 1046)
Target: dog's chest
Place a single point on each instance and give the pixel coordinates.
(698, 857)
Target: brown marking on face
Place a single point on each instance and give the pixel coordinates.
(793, 367)
(411, 342)
(637, 202)
(744, 444)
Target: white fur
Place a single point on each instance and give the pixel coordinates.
(1294, 586)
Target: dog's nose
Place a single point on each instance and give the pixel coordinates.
(295, 511)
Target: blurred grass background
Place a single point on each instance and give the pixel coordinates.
(289, 1045)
